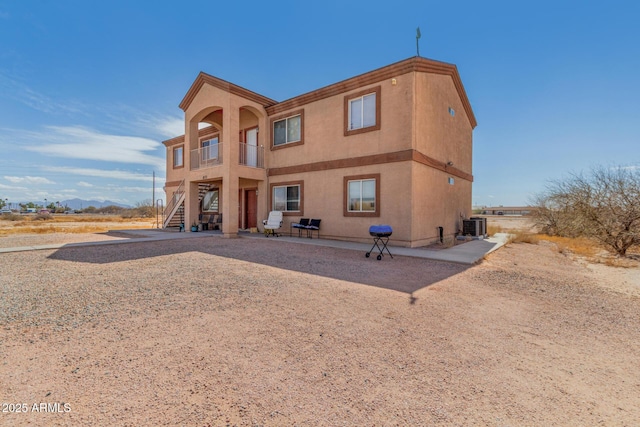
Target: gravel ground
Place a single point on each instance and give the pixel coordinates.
(263, 332)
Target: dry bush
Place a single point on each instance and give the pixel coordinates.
(493, 229)
(11, 217)
(580, 246)
(603, 205)
(520, 236)
(590, 250)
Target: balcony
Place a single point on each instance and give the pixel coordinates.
(206, 157)
(209, 156)
(251, 155)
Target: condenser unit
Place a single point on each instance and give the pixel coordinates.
(474, 227)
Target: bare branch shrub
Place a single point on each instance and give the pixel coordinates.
(604, 205)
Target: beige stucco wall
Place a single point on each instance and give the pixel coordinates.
(415, 198)
(445, 138)
(324, 199)
(436, 203)
(438, 134)
(324, 138)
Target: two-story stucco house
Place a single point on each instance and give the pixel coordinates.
(391, 146)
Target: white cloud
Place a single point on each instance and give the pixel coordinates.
(28, 179)
(12, 187)
(50, 196)
(171, 127)
(84, 184)
(132, 189)
(83, 143)
(101, 173)
(147, 124)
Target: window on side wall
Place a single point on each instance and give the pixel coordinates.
(362, 195)
(287, 197)
(362, 111)
(287, 130)
(178, 157)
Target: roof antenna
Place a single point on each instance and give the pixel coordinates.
(417, 38)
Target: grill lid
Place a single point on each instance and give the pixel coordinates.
(380, 230)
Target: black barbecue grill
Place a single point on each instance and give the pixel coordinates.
(380, 234)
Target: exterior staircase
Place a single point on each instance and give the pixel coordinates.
(174, 212)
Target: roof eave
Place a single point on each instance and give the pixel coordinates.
(204, 78)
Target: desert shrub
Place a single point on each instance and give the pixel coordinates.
(110, 210)
(519, 236)
(11, 217)
(603, 205)
(141, 210)
(493, 229)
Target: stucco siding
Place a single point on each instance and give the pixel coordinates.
(324, 199)
(324, 138)
(439, 134)
(437, 203)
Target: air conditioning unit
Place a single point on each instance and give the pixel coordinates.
(474, 227)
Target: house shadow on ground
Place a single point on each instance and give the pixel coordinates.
(402, 274)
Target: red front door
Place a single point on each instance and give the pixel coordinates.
(251, 204)
(240, 209)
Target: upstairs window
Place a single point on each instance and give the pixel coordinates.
(362, 111)
(287, 130)
(178, 157)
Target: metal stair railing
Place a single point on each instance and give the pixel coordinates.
(174, 204)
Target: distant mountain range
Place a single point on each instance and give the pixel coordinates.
(81, 204)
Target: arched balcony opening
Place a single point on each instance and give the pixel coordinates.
(206, 139)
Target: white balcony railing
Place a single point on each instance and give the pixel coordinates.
(206, 157)
(251, 155)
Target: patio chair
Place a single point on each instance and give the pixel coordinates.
(215, 221)
(273, 224)
(302, 225)
(314, 225)
(204, 221)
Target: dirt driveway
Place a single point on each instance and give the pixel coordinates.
(259, 332)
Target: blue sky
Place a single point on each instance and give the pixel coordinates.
(88, 90)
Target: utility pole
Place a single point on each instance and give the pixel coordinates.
(153, 193)
(153, 199)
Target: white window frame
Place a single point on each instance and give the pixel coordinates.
(286, 201)
(361, 112)
(177, 150)
(361, 182)
(206, 154)
(360, 212)
(286, 130)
